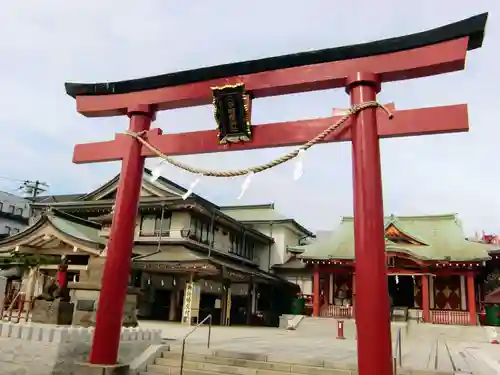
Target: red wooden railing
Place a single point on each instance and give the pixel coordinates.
(450, 317)
(332, 311)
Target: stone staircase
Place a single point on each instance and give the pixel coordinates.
(204, 362)
(228, 362)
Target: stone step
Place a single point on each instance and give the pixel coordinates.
(232, 362)
(163, 370)
(260, 360)
(238, 363)
(192, 368)
(247, 367)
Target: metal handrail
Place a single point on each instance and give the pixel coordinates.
(397, 358)
(209, 318)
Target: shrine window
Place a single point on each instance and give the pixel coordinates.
(7, 230)
(1, 206)
(163, 226)
(19, 211)
(242, 246)
(236, 242)
(11, 209)
(153, 225)
(201, 230)
(249, 249)
(78, 260)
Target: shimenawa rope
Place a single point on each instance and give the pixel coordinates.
(271, 164)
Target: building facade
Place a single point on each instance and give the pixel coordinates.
(434, 272)
(14, 214)
(214, 253)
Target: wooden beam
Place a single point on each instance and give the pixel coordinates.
(435, 120)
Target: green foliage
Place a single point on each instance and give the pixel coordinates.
(27, 260)
(492, 282)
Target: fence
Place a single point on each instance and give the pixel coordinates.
(450, 317)
(332, 311)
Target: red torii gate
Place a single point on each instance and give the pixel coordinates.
(360, 69)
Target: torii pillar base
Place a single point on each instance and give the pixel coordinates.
(90, 369)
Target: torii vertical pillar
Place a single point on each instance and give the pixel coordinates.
(117, 267)
(372, 299)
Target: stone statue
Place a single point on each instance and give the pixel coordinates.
(53, 305)
(52, 291)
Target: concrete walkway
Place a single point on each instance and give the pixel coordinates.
(281, 345)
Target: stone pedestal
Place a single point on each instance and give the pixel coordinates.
(89, 369)
(85, 295)
(52, 312)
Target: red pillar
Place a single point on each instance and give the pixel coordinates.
(326, 290)
(471, 299)
(425, 299)
(353, 294)
(316, 291)
(117, 268)
(62, 276)
(372, 295)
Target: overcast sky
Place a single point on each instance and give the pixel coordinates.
(44, 44)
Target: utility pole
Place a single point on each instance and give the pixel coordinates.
(33, 188)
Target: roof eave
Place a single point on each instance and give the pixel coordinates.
(281, 221)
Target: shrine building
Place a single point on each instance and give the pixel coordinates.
(225, 254)
(248, 262)
(434, 272)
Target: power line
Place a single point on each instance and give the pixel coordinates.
(33, 188)
(11, 179)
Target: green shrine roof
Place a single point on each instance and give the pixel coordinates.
(71, 228)
(431, 238)
(76, 228)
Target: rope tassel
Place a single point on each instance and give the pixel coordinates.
(156, 172)
(299, 166)
(246, 185)
(191, 188)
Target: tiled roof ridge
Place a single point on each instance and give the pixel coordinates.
(448, 216)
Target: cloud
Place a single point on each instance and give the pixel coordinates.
(46, 44)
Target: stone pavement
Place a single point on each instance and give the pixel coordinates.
(480, 358)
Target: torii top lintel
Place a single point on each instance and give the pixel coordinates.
(431, 52)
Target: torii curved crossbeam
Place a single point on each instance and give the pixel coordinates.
(436, 51)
